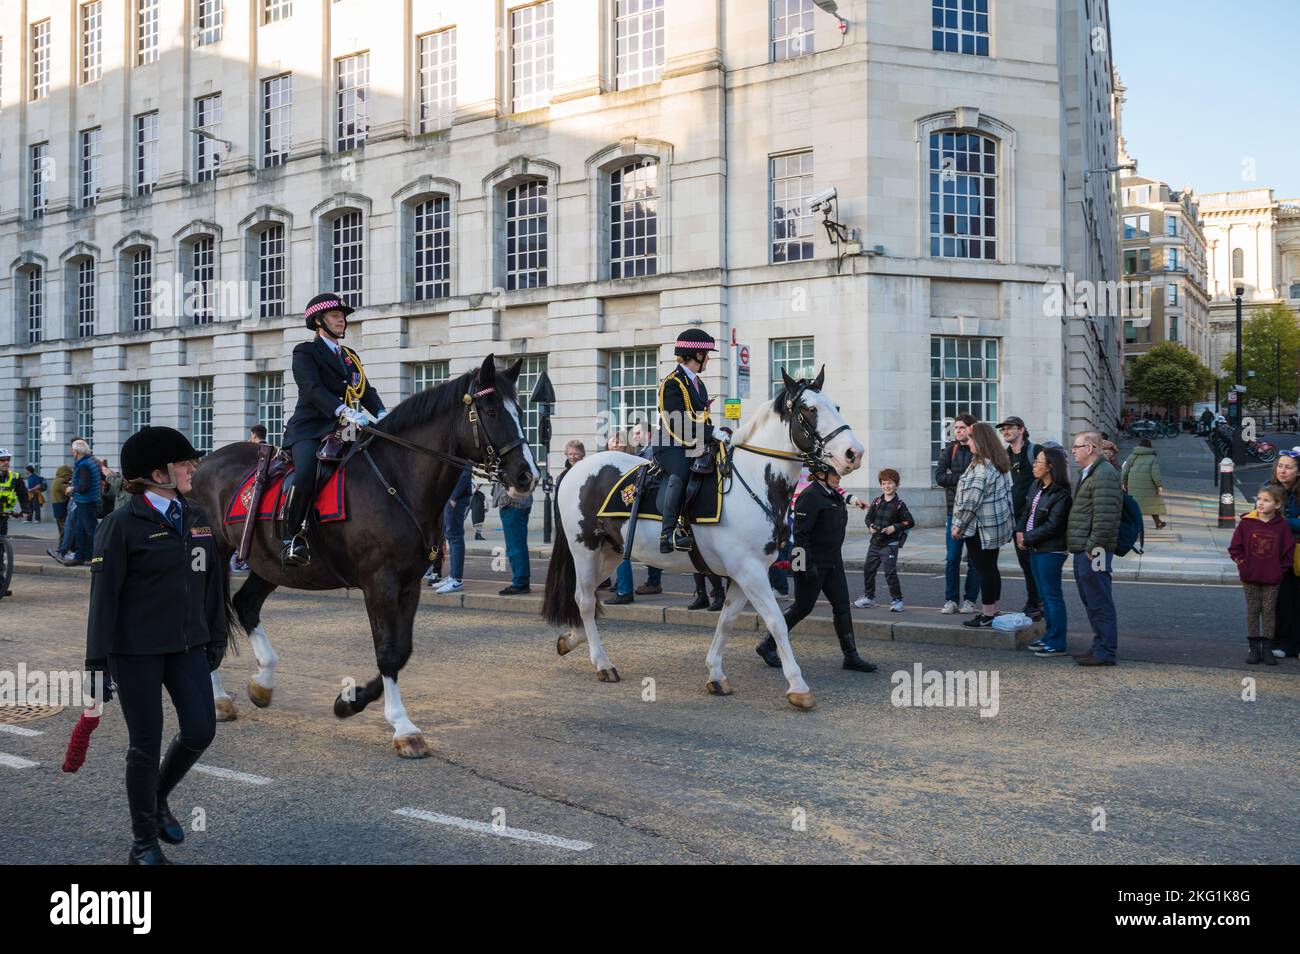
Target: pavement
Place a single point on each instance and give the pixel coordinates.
(535, 761)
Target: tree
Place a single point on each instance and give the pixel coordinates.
(1261, 337)
(1170, 376)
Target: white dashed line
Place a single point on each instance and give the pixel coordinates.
(483, 828)
(13, 761)
(232, 775)
(20, 730)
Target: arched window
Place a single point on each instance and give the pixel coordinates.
(526, 221)
(1238, 263)
(31, 302)
(347, 256)
(634, 219)
(139, 262)
(963, 179)
(80, 278)
(430, 218)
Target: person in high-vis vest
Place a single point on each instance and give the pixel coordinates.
(685, 432)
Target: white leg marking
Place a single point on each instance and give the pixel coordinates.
(218, 691)
(395, 712)
(736, 602)
(266, 657)
(753, 579)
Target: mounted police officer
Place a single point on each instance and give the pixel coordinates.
(685, 432)
(332, 388)
(157, 619)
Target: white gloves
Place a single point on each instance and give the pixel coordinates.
(349, 416)
(382, 414)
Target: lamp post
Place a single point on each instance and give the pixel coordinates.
(543, 398)
(1234, 408)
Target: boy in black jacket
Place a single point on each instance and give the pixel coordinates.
(888, 519)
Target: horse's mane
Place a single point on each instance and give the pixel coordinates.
(760, 417)
(439, 400)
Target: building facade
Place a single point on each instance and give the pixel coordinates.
(1164, 269)
(569, 182)
(1252, 242)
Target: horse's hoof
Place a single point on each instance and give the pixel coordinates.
(411, 746)
(608, 675)
(802, 700)
(258, 695)
(226, 711)
(343, 708)
(719, 687)
(563, 646)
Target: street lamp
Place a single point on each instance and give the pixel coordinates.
(1234, 409)
(832, 8)
(543, 398)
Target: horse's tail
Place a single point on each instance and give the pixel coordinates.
(233, 625)
(559, 604)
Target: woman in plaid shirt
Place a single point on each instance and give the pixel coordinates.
(982, 513)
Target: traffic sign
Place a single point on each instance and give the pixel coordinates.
(731, 409)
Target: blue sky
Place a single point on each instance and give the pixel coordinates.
(1211, 85)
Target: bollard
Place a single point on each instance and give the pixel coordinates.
(1226, 513)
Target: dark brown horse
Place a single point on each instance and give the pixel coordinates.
(382, 548)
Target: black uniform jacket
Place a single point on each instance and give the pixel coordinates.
(820, 518)
(1051, 518)
(322, 380)
(153, 591)
(683, 422)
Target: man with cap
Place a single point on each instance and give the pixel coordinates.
(684, 432)
(1022, 454)
(157, 620)
(332, 388)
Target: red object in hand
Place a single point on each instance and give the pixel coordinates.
(80, 742)
(782, 564)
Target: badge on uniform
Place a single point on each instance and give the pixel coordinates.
(200, 532)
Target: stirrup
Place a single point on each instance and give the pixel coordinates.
(296, 551)
(682, 538)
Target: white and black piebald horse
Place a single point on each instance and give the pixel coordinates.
(799, 425)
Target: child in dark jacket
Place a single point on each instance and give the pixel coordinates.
(888, 519)
(1262, 547)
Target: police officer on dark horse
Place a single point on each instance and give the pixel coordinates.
(332, 384)
(685, 432)
(400, 473)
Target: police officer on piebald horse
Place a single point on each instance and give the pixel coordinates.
(332, 386)
(685, 432)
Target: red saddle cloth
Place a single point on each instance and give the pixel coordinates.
(329, 500)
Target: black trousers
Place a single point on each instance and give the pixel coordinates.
(715, 584)
(140, 682)
(809, 584)
(1023, 557)
(876, 556)
(304, 481)
(986, 563)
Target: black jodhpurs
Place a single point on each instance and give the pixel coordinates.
(140, 682)
(304, 481)
(809, 584)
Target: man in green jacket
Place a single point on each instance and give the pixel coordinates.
(1091, 536)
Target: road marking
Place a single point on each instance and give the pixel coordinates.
(483, 828)
(13, 761)
(232, 775)
(20, 730)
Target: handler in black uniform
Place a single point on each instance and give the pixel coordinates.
(684, 432)
(331, 386)
(820, 518)
(157, 618)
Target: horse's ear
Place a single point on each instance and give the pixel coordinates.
(819, 380)
(791, 384)
(512, 372)
(487, 372)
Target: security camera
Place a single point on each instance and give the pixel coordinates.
(822, 200)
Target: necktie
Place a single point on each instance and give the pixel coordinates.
(174, 516)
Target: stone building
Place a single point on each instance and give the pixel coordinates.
(1252, 242)
(571, 182)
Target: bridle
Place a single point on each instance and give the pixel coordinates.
(493, 457)
(815, 454)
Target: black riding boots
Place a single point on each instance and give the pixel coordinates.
(673, 535)
(296, 551)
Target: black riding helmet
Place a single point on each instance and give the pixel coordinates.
(321, 304)
(153, 448)
(692, 340)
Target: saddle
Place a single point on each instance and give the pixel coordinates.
(702, 502)
(264, 491)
